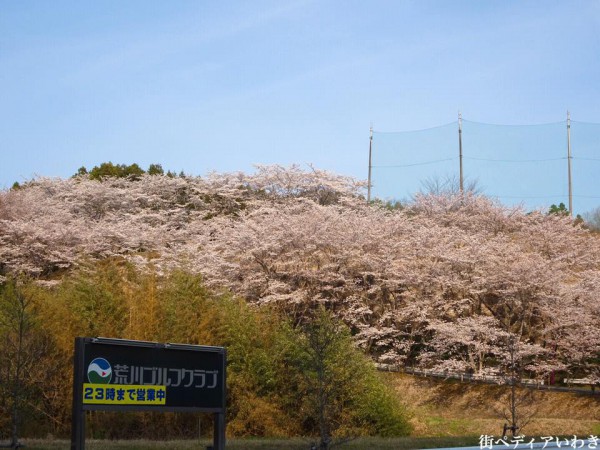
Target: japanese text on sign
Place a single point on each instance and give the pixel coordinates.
(123, 394)
(165, 376)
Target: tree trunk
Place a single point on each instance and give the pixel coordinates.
(16, 394)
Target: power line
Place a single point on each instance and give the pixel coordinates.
(415, 164)
(586, 159)
(515, 160)
(541, 196)
(562, 158)
(446, 125)
(526, 196)
(587, 196)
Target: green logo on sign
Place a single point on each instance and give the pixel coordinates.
(99, 371)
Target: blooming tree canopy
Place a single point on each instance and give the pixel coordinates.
(442, 282)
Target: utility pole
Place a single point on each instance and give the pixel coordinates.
(569, 157)
(370, 166)
(460, 152)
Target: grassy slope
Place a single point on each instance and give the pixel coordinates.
(450, 408)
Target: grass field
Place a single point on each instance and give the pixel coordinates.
(408, 443)
(443, 414)
(263, 444)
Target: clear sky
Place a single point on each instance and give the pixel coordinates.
(208, 85)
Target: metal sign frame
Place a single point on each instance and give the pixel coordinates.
(79, 407)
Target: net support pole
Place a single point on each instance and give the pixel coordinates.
(460, 153)
(370, 165)
(569, 157)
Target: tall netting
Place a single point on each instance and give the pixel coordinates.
(585, 146)
(402, 161)
(520, 164)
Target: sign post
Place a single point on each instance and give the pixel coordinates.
(124, 375)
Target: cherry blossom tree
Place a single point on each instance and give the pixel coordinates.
(436, 283)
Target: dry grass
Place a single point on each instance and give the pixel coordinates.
(260, 444)
(451, 408)
(443, 413)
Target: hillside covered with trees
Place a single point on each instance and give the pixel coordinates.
(448, 281)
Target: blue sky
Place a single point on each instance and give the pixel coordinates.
(201, 86)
